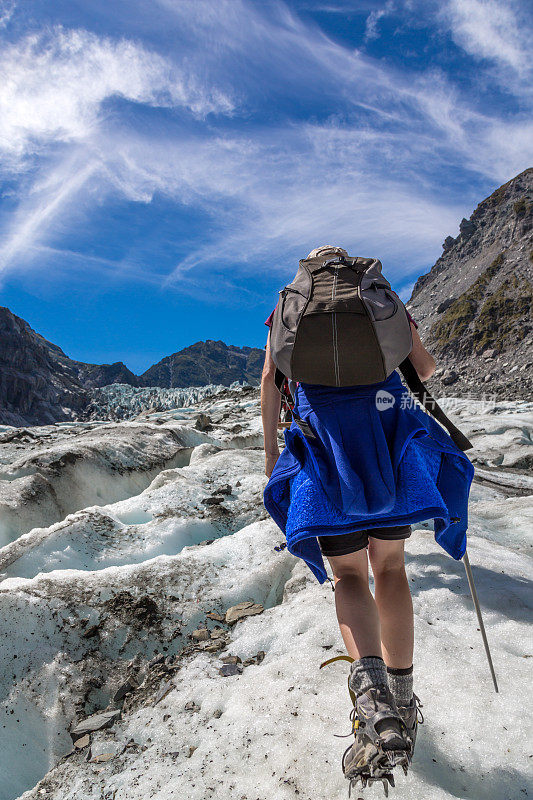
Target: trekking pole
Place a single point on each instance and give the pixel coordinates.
(479, 617)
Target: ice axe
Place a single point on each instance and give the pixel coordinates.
(473, 592)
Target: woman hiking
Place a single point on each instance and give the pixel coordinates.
(361, 463)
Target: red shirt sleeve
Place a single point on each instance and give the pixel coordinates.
(268, 321)
(411, 319)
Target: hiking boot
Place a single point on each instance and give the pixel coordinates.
(412, 717)
(379, 716)
(381, 739)
(362, 760)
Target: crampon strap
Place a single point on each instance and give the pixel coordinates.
(341, 658)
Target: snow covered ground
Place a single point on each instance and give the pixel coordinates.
(128, 590)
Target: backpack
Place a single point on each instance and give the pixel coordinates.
(339, 323)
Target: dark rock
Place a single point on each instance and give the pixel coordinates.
(449, 377)
(39, 384)
(445, 304)
(230, 669)
(448, 243)
(96, 722)
(219, 511)
(141, 612)
(203, 422)
(207, 362)
(231, 660)
(127, 687)
(201, 634)
(94, 376)
(218, 633)
(489, 272)
(214, 615)
(226, 489)
(90, 632)
(217, 714)
(163, 691)
(467, 228)
(212, 501)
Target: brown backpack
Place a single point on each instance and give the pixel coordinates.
(338, 323)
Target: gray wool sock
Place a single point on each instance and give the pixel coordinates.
(367, 672)
(401, 685)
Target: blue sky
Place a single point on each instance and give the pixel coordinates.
(164, 164)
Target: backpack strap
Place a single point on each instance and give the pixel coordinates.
(428, 401)
(279, 379)
(304, 426)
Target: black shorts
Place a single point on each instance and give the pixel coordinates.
(344, 543)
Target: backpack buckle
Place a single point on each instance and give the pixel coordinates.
(305, 428)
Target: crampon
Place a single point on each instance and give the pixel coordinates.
(367, 762)
(370, 759)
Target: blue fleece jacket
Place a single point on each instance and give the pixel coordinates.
(378, 460)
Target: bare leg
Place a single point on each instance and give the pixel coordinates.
(393, 600)
(357, 612)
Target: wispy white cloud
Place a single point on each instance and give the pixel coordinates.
(53, 91)
(370, 176)
(53, 86)
(492, 30)
(284, 189)
(7, 9)
(372, 21)
(41, 208)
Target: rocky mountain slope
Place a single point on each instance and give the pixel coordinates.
(39, 384)
(475, 305)
(94, 376)
(206, 362)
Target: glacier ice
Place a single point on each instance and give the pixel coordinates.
(101, 590)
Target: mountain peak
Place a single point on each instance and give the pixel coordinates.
(478, 296)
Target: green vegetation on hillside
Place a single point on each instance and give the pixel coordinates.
(453, 325)
(500, 322)
(522, 207)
